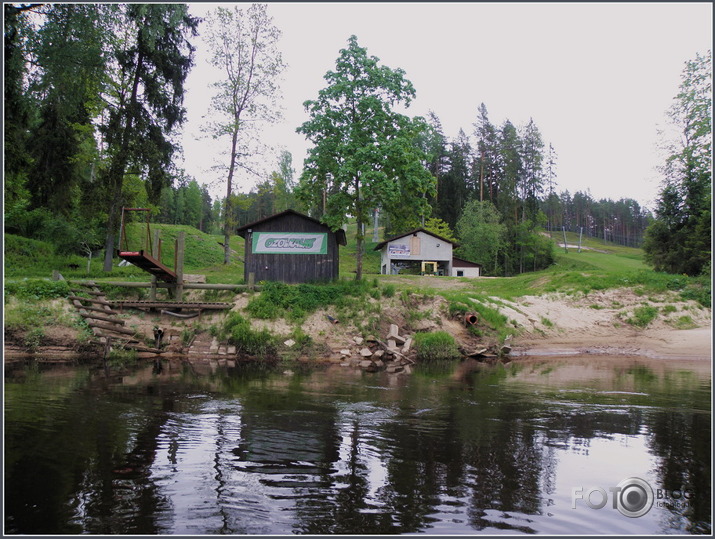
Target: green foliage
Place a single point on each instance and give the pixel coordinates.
(679, 241)
(683, 322)
(643, 316)
(388, 290)
(122, 358)
(365, 155)
(36, 289)
(440, 228)
(482, 235)
(31, 319)
(295, 302)
(248, 341)
(435, 346)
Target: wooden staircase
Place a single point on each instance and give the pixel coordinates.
(104, 321)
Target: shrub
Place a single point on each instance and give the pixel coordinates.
(239, 332)
(388, 290)
(37, 289)
(642, 316)
(437, 345)
(294, 302)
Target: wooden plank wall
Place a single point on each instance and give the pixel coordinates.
(299, 268)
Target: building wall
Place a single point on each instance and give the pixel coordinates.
(466, 272)
(291, 268)
(420, 247)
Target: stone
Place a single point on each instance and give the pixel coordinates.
(394, 334)
(406, 347)
(378, 354)
(289, 343)
(358, 340)
(366, 352)
(345, 352)
(366, 364)
(392, 369)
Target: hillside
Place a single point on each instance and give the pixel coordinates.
(600, 299)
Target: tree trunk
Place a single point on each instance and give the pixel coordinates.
(227, 208)
(117, 168)
(359, 238)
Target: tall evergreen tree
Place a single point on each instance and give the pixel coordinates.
(679, 241)
(17, 111)
(511, 170)
(152, 60)
(455, 185)
(70, 75)
(532, 183)
(487, 157)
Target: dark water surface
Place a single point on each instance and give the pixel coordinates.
(455, 448)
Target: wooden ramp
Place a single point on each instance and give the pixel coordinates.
(105, 323)
(145, 261)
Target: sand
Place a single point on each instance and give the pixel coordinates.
(596, 324)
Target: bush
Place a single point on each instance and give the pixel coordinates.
(294, 302)
(37, 289)
(438, 345)
(239, 332)
(642, 316)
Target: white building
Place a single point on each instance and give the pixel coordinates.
(465, 268)
(421, 251)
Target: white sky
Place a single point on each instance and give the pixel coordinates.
(597, 78)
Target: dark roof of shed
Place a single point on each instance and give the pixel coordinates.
(241, 231)
(380, 245)
(464, 263)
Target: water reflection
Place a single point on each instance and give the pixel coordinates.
(459, 448)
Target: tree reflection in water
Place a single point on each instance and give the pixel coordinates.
(457, 449)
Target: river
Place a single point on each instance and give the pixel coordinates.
(588, 445)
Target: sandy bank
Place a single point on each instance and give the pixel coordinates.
(597, 324)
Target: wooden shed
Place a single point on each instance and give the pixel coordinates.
(292, 248)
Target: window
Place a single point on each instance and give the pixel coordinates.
(460, 273)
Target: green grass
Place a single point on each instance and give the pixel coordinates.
(643, 316)
(295, 302)
(239, 332)
(573, 272)
(435, 346)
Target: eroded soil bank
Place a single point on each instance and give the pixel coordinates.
(549, 325)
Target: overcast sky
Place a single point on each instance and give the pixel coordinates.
(597, 78)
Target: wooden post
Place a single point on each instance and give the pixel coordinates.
(179, 266)
(580, 235)
(251, 280)
(156, 254)
(565, 247)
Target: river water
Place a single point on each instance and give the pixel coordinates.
(534, 446)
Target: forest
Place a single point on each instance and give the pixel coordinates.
(94, 102)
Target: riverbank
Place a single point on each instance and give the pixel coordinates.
(598, 323)
(602, 323)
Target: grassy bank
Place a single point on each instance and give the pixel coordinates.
(29, 292)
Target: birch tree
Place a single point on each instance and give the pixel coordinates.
(243, 44)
